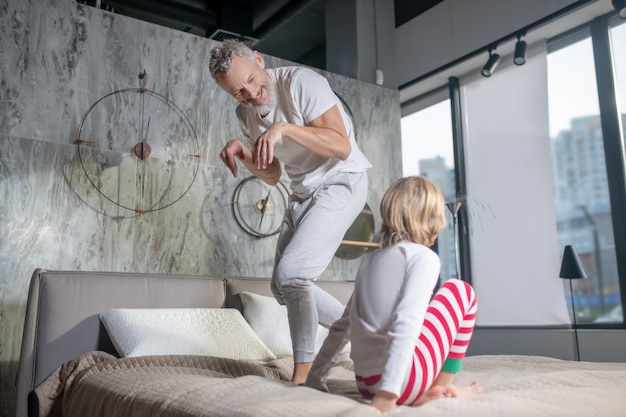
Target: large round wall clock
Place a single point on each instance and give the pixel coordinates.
(259, 208)
(138, 149)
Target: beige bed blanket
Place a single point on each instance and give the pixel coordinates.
(97, 384)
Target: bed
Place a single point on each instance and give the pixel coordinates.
(112, 344)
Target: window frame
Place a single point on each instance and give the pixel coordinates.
(599, 31)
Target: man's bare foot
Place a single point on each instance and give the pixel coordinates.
(300, 372)
(439, 391)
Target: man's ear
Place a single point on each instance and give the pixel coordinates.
(259, 59)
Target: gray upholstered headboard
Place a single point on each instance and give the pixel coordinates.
(63, 306)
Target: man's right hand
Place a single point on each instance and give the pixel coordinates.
(233, 149)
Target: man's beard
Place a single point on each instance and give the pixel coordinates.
(264, 109)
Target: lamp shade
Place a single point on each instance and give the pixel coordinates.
(571, 267)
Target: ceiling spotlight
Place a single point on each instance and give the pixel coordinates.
(491, 64)
(520, 52)
(620, 8)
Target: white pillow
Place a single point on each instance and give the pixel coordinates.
(269, 321)
(221, 332)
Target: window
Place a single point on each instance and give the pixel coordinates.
(618, 39)
(581, 185)
(543, 167)
(427, 149)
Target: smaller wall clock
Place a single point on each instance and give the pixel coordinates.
(259, 208)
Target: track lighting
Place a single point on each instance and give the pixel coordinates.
(520, 51)
(620, 8)
(491, 64)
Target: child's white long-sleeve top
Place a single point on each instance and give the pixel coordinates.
(383, 318)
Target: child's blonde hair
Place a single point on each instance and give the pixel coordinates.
(412, 209)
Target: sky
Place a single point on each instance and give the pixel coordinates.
(571, 93)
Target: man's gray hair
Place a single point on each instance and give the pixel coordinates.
(222, 56)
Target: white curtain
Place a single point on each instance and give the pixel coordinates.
(514, 249)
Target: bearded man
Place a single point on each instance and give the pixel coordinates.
(291, 119)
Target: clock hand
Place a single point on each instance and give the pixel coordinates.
(267, 197)
(143, 158)
(144, 140)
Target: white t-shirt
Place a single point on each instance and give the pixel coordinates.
(384, 316)
(302, 96)
(391, 294)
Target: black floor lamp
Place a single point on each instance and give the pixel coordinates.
(571, 268)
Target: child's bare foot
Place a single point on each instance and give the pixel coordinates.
(439, 391)
(469, 391)
(433, 393)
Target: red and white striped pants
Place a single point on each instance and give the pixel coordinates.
(446, 333)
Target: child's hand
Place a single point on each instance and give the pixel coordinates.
(384, 401)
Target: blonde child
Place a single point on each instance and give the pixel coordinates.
(405, 345)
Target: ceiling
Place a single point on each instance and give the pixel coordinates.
(290, 29)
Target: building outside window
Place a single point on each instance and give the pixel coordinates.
(582, 198)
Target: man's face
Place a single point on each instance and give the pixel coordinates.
(248, 82)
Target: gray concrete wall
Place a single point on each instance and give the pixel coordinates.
(57, 59)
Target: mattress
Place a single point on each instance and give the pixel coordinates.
(98, 384)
